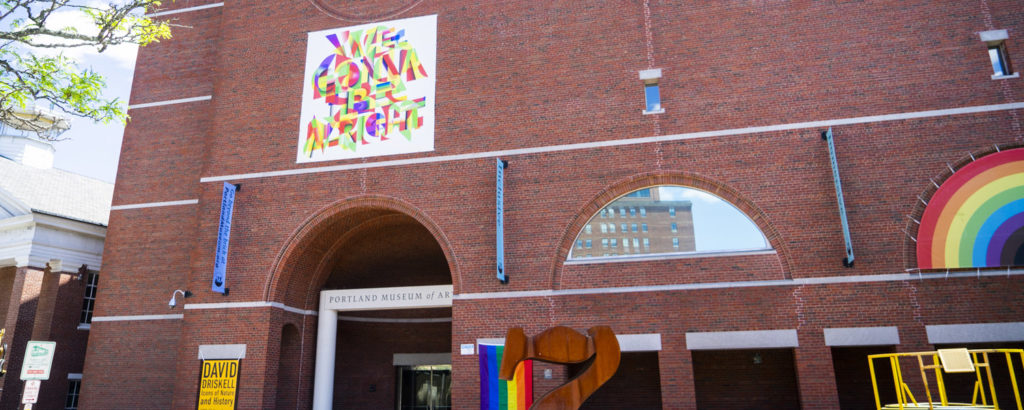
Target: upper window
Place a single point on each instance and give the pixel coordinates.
(998, 56)
(89, 301)
(683, 221)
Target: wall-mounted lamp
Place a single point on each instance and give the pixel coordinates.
(174, 302)
(757, 358)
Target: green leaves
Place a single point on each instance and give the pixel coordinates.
(30, 75)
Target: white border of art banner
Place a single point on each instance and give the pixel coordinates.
(384, 127)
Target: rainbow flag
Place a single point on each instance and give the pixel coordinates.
(497, 394)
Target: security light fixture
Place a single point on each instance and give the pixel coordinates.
(174, 302)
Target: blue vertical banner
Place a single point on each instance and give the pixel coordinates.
(500, 220)
(827, 136)
(220, 263)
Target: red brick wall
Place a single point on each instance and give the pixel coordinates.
(526, 75)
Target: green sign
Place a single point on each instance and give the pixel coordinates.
(38, 360)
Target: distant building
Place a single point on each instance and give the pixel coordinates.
(638, 223)
(52, 227)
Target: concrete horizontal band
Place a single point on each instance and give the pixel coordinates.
(185, 10)
(862, 336)
(744, 339)
(170, 102)
(395, 320)
(249, 305)
(628, 141)
(136, 317)
(154, 204)
(226, 351)
(421, 359)
(643, 342)
(828, 280)
(976, 333)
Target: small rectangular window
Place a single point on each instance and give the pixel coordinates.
(643, 212)
(1000, 60)
(647, 243)
(643, 227)
(579, 244)
(74, 388)
(672, 212)
(624, 228)
(636, 243)
(604, 213)
(632, 212)
(674, 228)
(634, 227)
(604, 228)
(89, 299)
(604, 243)
(625, 242)
(614, 243)
(611, 228)
(675, 243)
(611, 212)
(622, 212)
(588, 243)
(587, 228)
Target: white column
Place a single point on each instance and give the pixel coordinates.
(326, 340)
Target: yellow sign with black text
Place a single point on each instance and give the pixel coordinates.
(218, 385)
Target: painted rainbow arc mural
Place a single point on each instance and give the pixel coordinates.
(976, 218)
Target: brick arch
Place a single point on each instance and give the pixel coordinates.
(365, 12)
(685, 179)
(298, 267)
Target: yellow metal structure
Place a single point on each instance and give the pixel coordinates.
(983, 378)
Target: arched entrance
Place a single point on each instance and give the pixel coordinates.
(383, 280)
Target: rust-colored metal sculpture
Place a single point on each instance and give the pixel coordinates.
(564, 345)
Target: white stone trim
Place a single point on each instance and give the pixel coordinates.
(16, 261)
(828, 280)
(993, 35)
(625, 142)
(651, 74)
(1005, 77)
(744, 339)
(184, 10)
(862, 336)
(976, 333)
(641, 342)
(248, 305)
(420, 359)
(154, 204)
(226, 351)
(170, 102)
(395, 320)
(74, 376)
(136, 318)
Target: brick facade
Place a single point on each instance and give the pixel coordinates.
(747, 89)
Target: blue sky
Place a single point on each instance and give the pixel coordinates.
(92, 149)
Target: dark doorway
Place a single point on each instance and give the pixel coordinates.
(636, 384)
(853, 377)
(745, 379)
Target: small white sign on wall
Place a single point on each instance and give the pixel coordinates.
(468, 348)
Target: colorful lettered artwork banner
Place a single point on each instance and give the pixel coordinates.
(497, 394)
(218, 385)
(976, 217)
(368, 90)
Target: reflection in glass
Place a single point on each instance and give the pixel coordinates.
(678, 220)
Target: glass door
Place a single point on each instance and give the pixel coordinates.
(424, 387)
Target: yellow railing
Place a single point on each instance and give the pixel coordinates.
(951, 361)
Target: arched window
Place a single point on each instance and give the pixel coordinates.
(676, 221)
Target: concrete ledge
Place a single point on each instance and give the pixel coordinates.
(644, 342)
(421, 359)
(747, 339)
(221, 351)
(993, 35)
(976, 333)
(862, 336)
